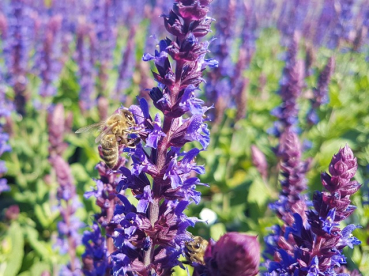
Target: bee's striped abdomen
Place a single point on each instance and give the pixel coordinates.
(109, 150)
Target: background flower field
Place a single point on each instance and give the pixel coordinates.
(68, 64)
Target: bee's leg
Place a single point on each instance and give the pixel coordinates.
(122, 140)
(186, 262)
(133, 142)
(129, 142)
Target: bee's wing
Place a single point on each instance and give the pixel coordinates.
(90, 128)
(104, 132)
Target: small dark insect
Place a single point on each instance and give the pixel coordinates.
(195, 250)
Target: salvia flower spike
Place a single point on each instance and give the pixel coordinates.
(148, 237)
(318, 243)
(68, 227)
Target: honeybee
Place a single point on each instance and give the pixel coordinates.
(114, 131)
(195, 250)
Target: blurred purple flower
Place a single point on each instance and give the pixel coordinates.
(126, 67)
(102, 21)
(102, 18)
(226, 85)
(320, 93)
(3, 185)
(343, 30)
(327, 17)
(291, 85)
(5, 110)
(259, 161)
(12, 212)
(16, 48)
(49, 60)
(292, 17)
(85, 60)
(68, 227)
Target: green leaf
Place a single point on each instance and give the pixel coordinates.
(257, 192)
(15, 257)
(41, 215)
(40, 247)
(38, 268)
(217, 230)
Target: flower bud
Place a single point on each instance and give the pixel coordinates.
(12, 212)
(103, 106)
(259, 161)
(234, 254)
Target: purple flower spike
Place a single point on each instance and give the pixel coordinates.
(16, 50)
(316, 245)
(68, 227)
(49, 61)
(293, 169)
(226, 85)
(85, 60)
(126, 67)
(321, 91)
(290, 89)
(147, 238)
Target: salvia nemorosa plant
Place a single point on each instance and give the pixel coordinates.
(148, 238)
(315, 245)
(69, 225)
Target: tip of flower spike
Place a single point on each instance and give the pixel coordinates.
(343, 164)
(346, 152)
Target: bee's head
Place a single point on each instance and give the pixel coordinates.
(129, 117)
